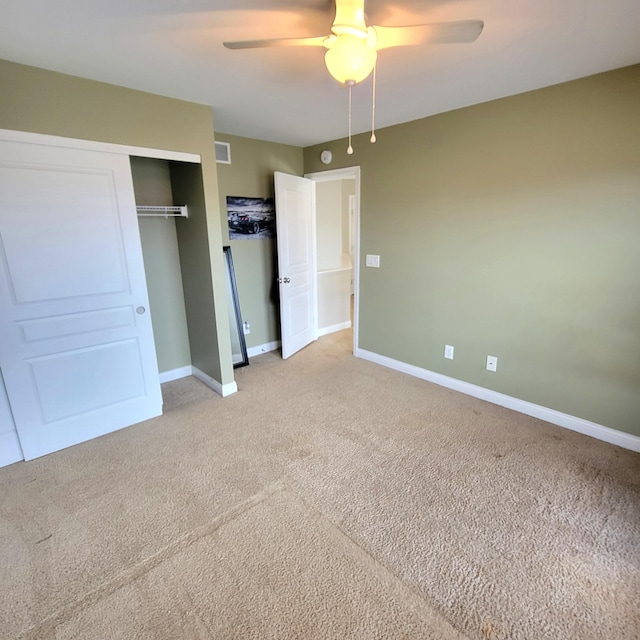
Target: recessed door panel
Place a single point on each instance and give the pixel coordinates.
(298, 231)
(74, 324)
(299, 319)
(103, 375)
(49, 226)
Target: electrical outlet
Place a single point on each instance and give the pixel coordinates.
(246, 328)
(492, 363)
(448, 352)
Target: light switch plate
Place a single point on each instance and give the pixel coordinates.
(448, 352)
(373, 261)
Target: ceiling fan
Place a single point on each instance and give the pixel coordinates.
(352, 46)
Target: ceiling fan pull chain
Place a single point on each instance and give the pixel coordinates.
(373, 106)
(350, 148)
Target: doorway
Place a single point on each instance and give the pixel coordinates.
(163, 270)
(338, 259)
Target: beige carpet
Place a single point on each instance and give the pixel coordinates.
(329, 498)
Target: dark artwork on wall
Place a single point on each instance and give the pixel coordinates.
(251, 218)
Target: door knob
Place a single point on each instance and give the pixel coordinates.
(140, 310)
(287, 281)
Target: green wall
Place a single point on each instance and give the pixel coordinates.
(511, 228)
(250, 174)
(46, 102)
(508, 228)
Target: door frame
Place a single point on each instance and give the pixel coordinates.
(92, 145)
(348, 173)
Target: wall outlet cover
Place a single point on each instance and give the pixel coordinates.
(448, 352)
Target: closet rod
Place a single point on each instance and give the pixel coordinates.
(167, 212)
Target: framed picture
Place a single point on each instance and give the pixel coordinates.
(251, 218)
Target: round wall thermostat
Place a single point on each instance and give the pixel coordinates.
(325, 157)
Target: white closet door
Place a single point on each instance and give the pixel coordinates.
(10, 449)
(76, 343)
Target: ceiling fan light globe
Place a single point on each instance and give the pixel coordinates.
(350, 59)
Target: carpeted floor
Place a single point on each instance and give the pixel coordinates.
(329, 498)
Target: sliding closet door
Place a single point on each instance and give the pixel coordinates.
(76, 343)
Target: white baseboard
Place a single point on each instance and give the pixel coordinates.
(607, 434)
(221, 389)
(10, 450)
(263, 348)
(175, 374)
(183, 372)
(333, 328)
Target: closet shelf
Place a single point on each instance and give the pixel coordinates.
(166, 212)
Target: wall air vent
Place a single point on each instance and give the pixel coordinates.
(223, 152)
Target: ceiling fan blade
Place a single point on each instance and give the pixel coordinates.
(436, 33)
(317, 41)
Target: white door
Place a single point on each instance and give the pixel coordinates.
(296, 239)
(10, 449)
(76, 343)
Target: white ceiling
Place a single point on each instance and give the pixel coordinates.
(174, 48)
